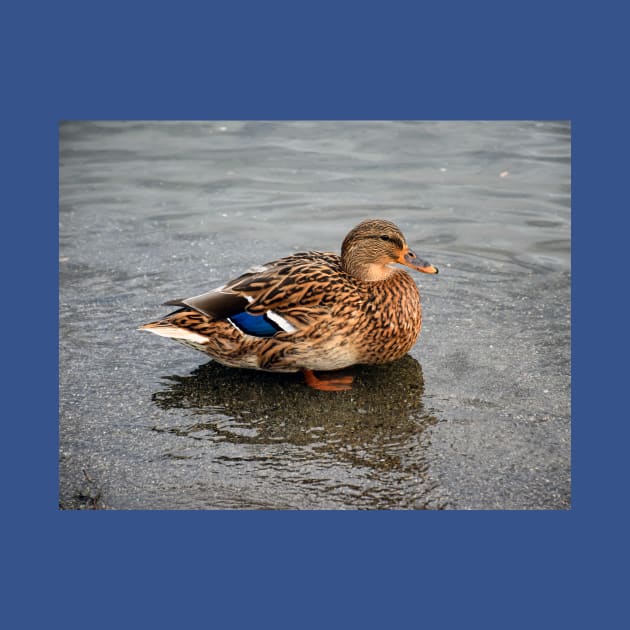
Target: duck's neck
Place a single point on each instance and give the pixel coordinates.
(367, 272)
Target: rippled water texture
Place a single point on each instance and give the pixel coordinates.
(477, 416)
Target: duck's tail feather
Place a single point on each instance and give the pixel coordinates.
(167, 329)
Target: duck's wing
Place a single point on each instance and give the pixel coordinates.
(280, 296)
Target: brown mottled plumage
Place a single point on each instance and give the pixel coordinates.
(310, 311)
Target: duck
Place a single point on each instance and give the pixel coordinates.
(310, 311)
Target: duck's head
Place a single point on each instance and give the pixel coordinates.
(372, 246)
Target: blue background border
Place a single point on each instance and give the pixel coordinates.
(197, 60)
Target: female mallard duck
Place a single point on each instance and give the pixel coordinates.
(310, 311)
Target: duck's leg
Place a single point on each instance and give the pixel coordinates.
(327, 382)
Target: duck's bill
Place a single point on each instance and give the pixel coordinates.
(411, 260)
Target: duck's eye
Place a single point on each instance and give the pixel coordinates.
(386, 238)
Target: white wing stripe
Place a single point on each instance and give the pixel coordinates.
(281, 321)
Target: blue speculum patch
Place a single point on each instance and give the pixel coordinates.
(256, 325)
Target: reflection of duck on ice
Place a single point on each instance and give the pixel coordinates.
(311, 311)
(379, 425)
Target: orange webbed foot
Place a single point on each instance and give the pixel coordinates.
(328, 382)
